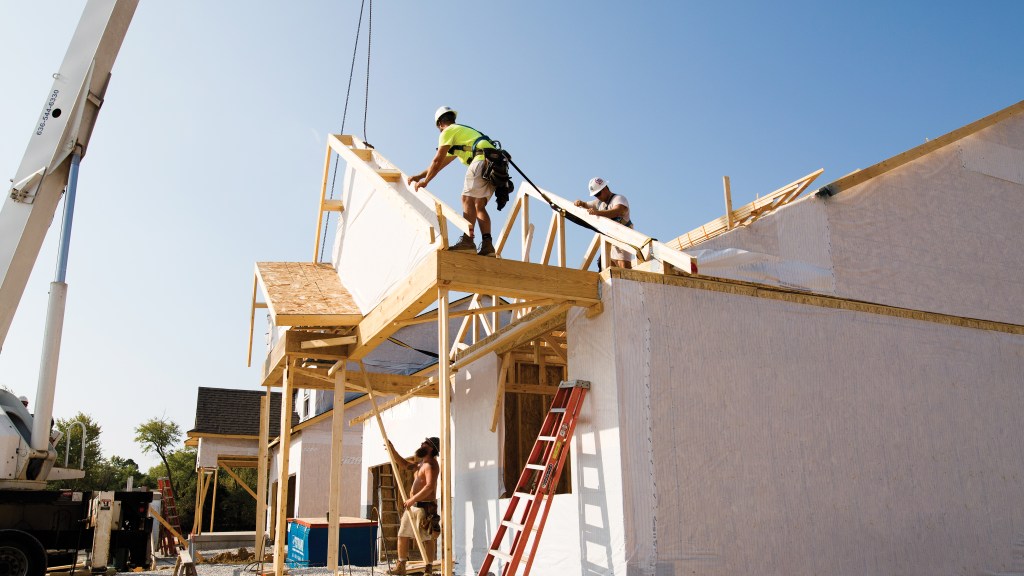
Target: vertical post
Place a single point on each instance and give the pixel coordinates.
(213, 505)
(320, 209)
(728, 201)
(284, 446)
(197, 516)
(526, 228)
(444, 386)
(561, 239)
(261, 475)
(337, 452)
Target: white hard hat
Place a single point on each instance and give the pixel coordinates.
(442, 111)
(22, 399)
(596, 185)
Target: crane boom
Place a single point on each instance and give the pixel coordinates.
(64, 127)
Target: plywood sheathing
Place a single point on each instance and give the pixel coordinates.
(306, 294)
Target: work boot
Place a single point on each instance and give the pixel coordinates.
(486, 248)
(465, 245)
(399, 569)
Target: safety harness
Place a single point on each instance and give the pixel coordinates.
(495, 165)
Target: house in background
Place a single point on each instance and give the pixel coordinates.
(226, 436)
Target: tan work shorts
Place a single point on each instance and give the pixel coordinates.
(620, 254)
(412, 519)
(476, 186)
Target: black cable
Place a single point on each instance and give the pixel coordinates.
(568, 215)
(369, 45)
(344, 115)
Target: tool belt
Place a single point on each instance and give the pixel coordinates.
(431, 521)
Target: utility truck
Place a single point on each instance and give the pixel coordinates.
(40, 527)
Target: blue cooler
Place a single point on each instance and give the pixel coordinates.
(307, 542)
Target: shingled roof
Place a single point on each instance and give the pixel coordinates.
(235, 412)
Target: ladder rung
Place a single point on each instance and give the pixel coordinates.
(535, 466)
(558, 410)
(547, 438)
(500, 554)
(524, 495)
(513, 525)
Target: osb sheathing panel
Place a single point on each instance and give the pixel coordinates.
(306, 294)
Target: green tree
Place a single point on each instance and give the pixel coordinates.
(180, 467)
(113, 473)
(70, 448)
(160, 435)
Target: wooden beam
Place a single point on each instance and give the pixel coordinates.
(392, 457)
(337, 458)
(213, 504)
(406, 300)
(506, 360)
(332, 205)
(237, 479)
(556, 347)
(861, 176)
(499, 245)
(622, 236)
(326, 342)
(528, 328)
(427, 389)
(284, 447)
(262, 472)
(320, 213)
(182, 542)
(382, 382)
(444, 390)
(753, 290)
(252, 317)
(728, 201)
(432, 316)
(472, 274)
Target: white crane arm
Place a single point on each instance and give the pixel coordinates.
(66, 123)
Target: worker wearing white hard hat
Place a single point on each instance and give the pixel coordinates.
(466, 144)
(607, 204)
(24, 401)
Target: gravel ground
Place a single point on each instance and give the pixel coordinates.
(165, 567)
(243, 570)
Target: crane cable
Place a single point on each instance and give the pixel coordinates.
(348, 92)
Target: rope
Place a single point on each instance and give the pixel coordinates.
(569, 215)
(344, 113)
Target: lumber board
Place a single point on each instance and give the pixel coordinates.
(860, 176)
(769, 292)
(306, 294)
(529, 327)
(405, 301)
(428, 388)
(746, 214)
(511, 278)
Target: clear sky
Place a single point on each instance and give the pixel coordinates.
(208, 153)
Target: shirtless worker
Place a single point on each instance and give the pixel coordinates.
(420, 513)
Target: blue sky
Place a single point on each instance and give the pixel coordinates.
(208, 153)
